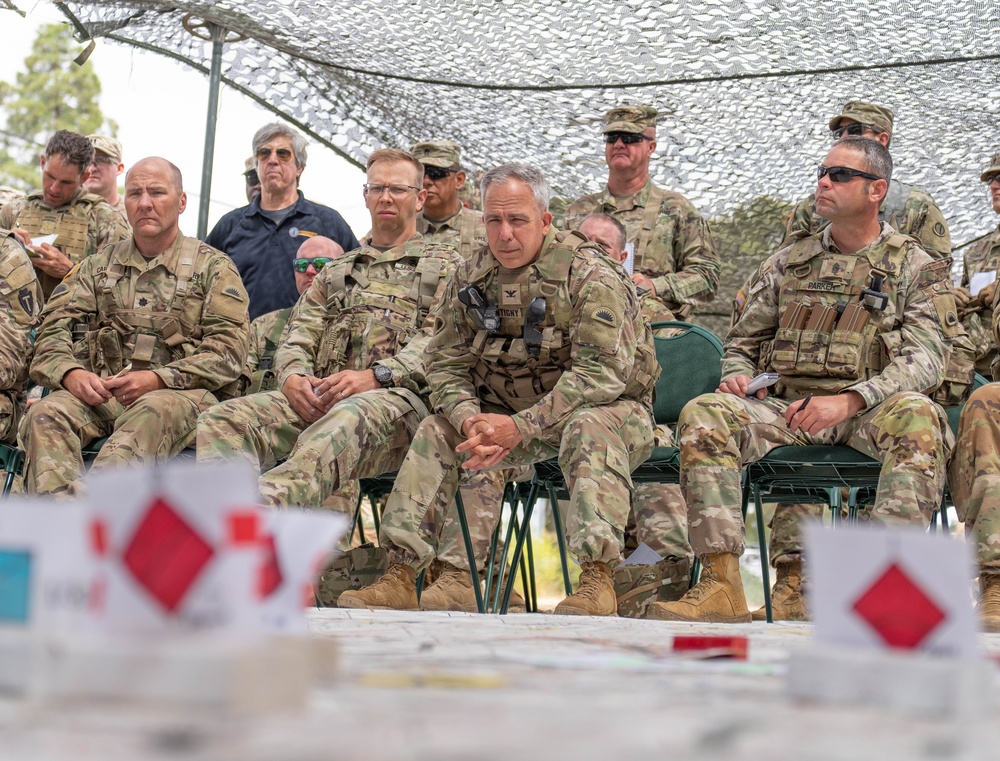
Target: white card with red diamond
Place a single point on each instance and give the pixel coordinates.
(899, 588)
(178, 546)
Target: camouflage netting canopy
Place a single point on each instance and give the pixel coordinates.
(745, 87)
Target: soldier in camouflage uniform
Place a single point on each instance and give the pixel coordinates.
(974, 475)
(674, 264)
(909, 211)
(982, 258)
(83, 221)
(444, 218)
(851, 374)
(9, 194)
(539, 350)
(659, 515)
(21, 298)
(105, 169)
(148, 333)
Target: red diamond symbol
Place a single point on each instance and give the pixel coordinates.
(269, 576)
(166, 555)
(898, 610)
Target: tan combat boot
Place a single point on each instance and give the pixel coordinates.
(788, 602)
(595, 596)
(989, 602)
(453, 590)
(717, 598)
(396, 590)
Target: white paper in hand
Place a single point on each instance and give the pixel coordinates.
(980, 280)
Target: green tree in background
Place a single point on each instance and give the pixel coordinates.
(51, 93)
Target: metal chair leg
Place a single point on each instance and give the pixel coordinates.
(470, 553)
(765, 570)
(560, 536)
(519, 546)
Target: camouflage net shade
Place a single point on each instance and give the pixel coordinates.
(745, 87)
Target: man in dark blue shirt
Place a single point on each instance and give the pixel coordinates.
(262, 238)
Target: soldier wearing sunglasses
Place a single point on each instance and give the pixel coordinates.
(672, 255)
(263, 237)
(445, 218)
(856, 320)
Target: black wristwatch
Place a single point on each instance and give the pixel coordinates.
(383, 375)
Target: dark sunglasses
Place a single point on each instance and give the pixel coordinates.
(435, 173)
(626, 137)
(301, 265)
(842, 173)
(284, 154)
(854, 130)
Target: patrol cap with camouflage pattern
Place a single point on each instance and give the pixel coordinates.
(865, 113)
(107, 145)
(992, 170)
(250, 165)
(635, 119)
(440, 153)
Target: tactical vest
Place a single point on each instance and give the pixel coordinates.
(264, 378)
(813, 350)
(369, 318)
(119, 335)
(513, 371)
(650, 216)
(70, 223)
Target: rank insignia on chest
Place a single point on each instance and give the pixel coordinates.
(510, 294)
(837, 267)
(48, 226)
(143, 301)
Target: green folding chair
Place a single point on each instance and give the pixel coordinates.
(690, 365)
(12, 462)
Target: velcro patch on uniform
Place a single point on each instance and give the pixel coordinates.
(27, 300)
(233, 292)
(230, 304)
(604, 315)
(510, 294)
(839, 267)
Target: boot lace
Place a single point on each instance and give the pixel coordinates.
(590, 584)
(706, 584)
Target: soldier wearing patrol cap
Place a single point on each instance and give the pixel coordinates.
(252, 179)
(105, 170)
(538, 350)
(982, 258)
(909, 211)
(444, 217)
(675, 266)
(82, 221)
(856, 320)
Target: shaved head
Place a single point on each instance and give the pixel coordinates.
(154, 163)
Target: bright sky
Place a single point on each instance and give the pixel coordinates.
(160, 106)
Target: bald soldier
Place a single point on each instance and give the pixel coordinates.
(907, 210)
(659, 514)
(82, 221)
(147, 334)
(20, 304)
(538, 351)
(855, 376)
(675, 267)
(444, 218)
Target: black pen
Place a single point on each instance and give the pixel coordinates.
(804, 404)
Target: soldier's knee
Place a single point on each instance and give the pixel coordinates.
(909, 413)
(985, 398)
(707, 410)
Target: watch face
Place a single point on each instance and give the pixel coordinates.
(383, 374)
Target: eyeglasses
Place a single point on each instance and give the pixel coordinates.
(284, 154)
(396, 191)
(435, 173)
(301, 265)
(856, 129)
(842, 173)
(104, 160)
(626, 137)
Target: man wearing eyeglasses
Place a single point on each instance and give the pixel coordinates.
(262, 238)
(854, 319)
(444, 217)
(672, 254)
(82, 222)
(105, 170)
(909, 210)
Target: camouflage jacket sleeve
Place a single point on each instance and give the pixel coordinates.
(10, 212)
(259, 329)
(920, 361)
(800, 223)
(756, 323)
(298, 351)
(449, 359)
(602, 352)
(21, 297)
(110, 227)
(221, 356)
(73, 301)
(693, 276)
(930, 228)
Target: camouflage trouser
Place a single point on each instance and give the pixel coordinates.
(482, 494)
(155, 427)
(974, 476)
(363, 436)
(8, 419)
(660, 511)
(906, 433)
(597, 447)
(786, 534)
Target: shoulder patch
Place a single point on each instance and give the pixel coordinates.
(27, 300)
(604, 315)
(940, 230)
(233, 292)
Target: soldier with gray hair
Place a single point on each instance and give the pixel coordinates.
(262, 238)
(539, 350)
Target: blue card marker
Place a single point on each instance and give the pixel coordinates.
(15, 586)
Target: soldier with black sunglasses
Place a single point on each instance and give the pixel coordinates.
(444, 218)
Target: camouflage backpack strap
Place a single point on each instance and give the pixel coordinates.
(558, 265)
(115, 272)
(467, 234)
(891, 263)
(650, 216)
(429, 270)
(190, 260)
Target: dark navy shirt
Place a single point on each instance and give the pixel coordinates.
(263, 251)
